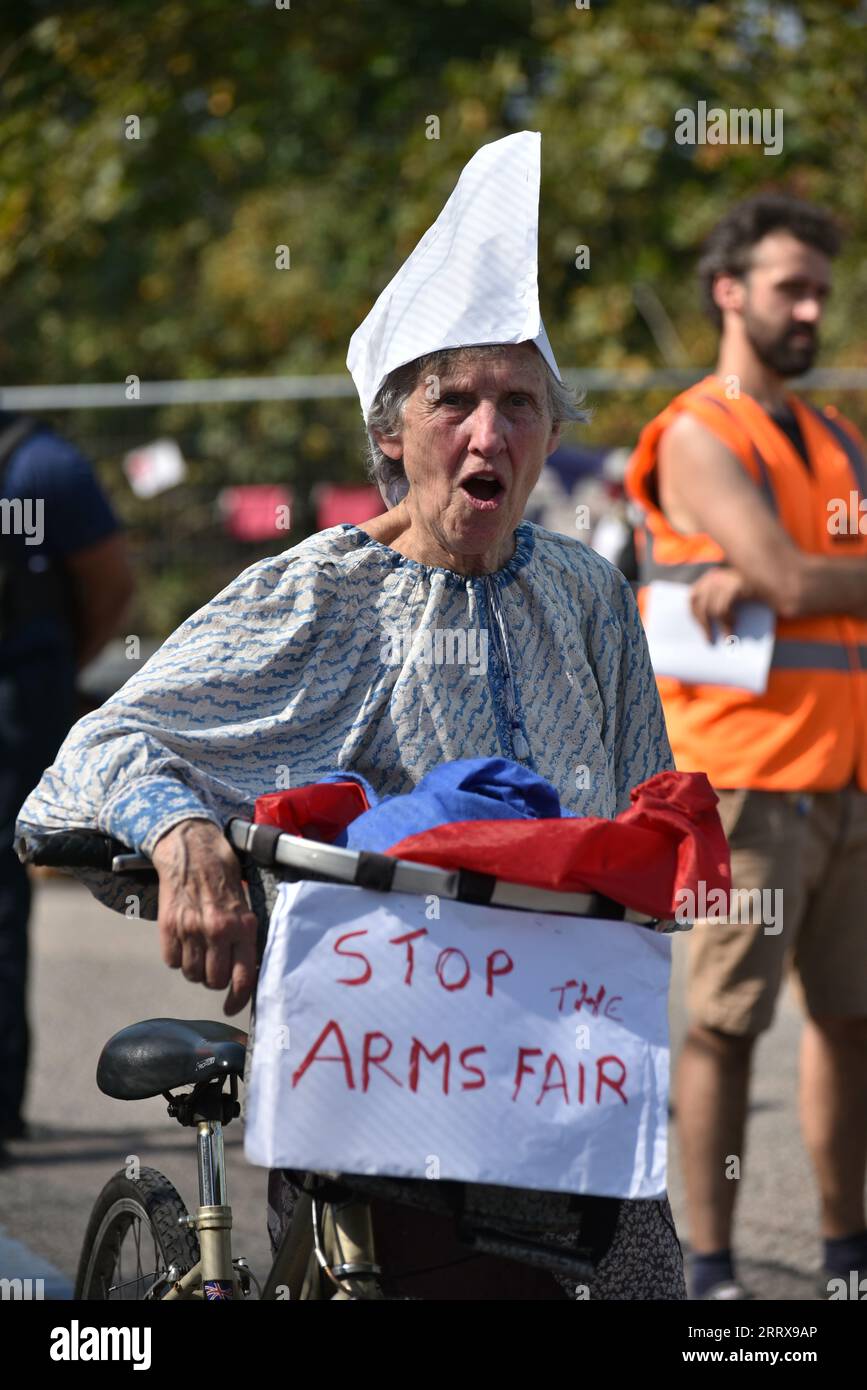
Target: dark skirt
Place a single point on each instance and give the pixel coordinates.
(421, 1257)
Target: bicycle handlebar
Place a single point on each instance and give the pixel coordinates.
(82, 849)
(91, 849)
(270, 847)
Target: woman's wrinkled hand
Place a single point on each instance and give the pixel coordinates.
(713, 598)
(206, 926)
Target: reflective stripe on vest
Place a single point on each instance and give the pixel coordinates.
(798, 654)
(847, 444)
(685, 573)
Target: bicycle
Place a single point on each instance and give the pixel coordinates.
(328, 1249)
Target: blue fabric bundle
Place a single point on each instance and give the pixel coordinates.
(468, 789)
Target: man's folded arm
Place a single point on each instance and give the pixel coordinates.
(705, 485)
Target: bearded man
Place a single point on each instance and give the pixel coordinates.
(742, 486)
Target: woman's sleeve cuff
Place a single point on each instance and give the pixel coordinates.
(144, 811)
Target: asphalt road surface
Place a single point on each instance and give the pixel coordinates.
(94, 972)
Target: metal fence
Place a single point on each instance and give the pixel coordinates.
(224, 390)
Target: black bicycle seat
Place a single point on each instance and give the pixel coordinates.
(159, 1054)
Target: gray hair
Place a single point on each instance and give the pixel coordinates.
(387, 411)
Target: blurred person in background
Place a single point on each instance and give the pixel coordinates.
(580, 494)
(738, 480)
(65, 582)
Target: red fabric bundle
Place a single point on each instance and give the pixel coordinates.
(669, 840)
(318, 811)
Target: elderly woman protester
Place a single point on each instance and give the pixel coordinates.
(293, 667)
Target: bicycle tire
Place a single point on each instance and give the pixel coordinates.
(155, 1203)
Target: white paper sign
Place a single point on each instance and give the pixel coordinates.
(482, 1045)
(678, 645)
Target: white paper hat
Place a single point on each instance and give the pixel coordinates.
(472, 279)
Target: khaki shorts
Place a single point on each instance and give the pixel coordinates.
(806, 854)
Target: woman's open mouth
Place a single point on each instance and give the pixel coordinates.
(485, 494)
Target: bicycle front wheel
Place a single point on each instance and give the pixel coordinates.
(133, 1238)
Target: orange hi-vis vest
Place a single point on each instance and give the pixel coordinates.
(808, 731)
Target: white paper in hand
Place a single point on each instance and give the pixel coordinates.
(679, 647)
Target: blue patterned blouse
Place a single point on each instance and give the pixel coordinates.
(343, 654)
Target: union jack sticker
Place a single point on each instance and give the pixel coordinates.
(218, 1288)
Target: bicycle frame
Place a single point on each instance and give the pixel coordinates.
(326, 1240)
(212, 1222)
(338, 1244)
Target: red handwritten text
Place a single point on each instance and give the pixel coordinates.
(452, 968)
(592, 1001)
(444, 1069)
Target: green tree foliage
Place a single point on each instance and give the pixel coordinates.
(155, 156)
